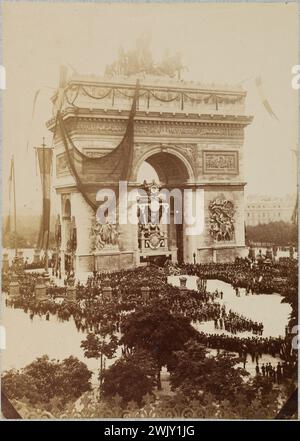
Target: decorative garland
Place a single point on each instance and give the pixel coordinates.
(165, 100)
(198, 98)
(130, 96)
(206, 98)
(74, 99)
(193, 98)
(96, 97)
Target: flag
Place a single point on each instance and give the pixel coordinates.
(264, 100)
(44, 156)
(294, 219)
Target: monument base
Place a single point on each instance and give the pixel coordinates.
(114, 260)
(40, 291)
(71, 293)
(14, 289)
(46, 277)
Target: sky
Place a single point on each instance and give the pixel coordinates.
(219, 43)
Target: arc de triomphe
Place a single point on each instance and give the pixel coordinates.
(191, 134)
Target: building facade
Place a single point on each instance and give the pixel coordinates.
(266, 209)
(192, 135)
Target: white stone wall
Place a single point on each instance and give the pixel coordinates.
(84, 216)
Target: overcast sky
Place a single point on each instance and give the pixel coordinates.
(219, 44)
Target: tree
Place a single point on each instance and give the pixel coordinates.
(45, 379)
(74, 377)
(155, 330)
(101, 345)
(279, 233)
(195, 374)
(132, 377)
(9, 240)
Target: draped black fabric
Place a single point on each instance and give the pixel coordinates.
(294, 219)
(72, 166)
(112, 167)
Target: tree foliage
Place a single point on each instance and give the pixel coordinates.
(102, 345)
(95, 346)
(195, 374)
(277, 233)
(131, 377)
(45, 379)
(157, 331)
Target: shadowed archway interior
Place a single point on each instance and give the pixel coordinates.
(169, 169)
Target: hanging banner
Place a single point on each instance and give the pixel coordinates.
(44, 156)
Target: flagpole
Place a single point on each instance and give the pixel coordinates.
(44, 159)
(15, 206)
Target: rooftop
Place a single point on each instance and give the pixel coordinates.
(156, 81)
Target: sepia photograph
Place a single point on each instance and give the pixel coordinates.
(149, 206)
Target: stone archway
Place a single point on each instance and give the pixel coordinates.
(172, 166)
(173, 171)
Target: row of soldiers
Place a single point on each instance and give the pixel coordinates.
(275, 373)
(234, 323)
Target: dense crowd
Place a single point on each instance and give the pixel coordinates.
(256, 279)
(234, 323)
(274, 373)
(253, 346)
(91, 309)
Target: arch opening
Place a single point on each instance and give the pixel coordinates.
(67, 209)
(161, 242)
(165, 168)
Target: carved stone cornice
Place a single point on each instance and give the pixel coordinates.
(203, 126)
(98, 115)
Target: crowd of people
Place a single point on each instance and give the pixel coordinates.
(91, 308)
(274, 373)
(234, 323)
(255, 347)
(256, 279)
